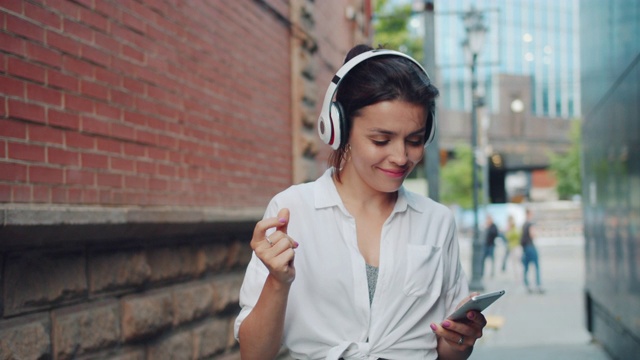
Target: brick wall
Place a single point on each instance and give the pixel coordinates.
(144, 102)
(140, 141)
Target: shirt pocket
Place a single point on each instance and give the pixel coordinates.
(423, 269)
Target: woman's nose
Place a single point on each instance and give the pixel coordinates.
(400, 154)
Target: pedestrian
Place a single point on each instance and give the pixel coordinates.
(490, 235)
(530, 253)
(513, 250)
(353, 265)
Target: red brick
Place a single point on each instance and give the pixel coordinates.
(63, 119)
(134, 150)
(58, 195)
(23, 69)
(95, 55)
(108, 77)
(12, 44)
(21, 110)
(108, 111)
(45, 134)
(109, 180)
(12, 87)
(94, 161)
(63, 42)
(43, 16)
(79, 177)
(77, 66)
(57, 79)
(94, 20)
(27, 152)
(13, 172)
(48, 175)
(42, 94)
(24, 28)
(77, 30)
(39, 53)
(77, 140)
(90, 196)
(41, 194)
(122, 164)
(77, 103)
(94, 126)
(5, 194)
(133, 53)
(109, 145)
(91, 89)
(145, 167)
(62, 157)
(21, 193)
(107, 43)
(135, 182)
(13, 129)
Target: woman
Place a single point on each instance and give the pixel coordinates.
(375, 271)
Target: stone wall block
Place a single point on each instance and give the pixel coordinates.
(176, 346)
(170, 263)
(192, 301)
(25, 338)
(84, 328)
(40, 280)
(117, 270)
(211, 337)
(227, 291)
(212, 257)
(146, 314)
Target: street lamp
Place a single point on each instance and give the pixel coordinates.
(475, 30)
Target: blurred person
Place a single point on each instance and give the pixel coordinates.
(352, 265)
(530, 253)
(513, 251)
(490, 235)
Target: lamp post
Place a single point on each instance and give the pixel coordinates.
(475, 30)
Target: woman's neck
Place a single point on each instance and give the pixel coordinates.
(357, 196)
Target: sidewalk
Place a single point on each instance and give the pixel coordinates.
(545, 326)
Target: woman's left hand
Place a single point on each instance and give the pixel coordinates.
(461, 335)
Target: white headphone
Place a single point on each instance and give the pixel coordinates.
(331, 123)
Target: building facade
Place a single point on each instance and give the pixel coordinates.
(611, 172)
(140, 142)
(529, 83)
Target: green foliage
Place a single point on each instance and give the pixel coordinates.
(456, 178)
(391, 31)
(566, 167)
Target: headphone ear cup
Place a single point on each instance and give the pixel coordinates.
(337, 124)
(431, 128)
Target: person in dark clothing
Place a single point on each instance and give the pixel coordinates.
(491, 232)
(530, 253)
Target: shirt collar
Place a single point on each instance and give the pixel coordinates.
(326, 195)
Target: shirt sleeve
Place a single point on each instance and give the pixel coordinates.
(254, 279)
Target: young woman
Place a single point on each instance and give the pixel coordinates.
(353, 266)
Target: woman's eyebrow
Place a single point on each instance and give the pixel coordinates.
(389, 132)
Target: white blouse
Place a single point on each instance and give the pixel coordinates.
(328, 315)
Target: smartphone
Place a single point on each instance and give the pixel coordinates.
(478, 303)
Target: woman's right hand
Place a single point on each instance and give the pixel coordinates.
(277, 251)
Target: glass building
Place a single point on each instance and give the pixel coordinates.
(537, 38)
(610, 77)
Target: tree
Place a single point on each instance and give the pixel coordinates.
(391, 31)
(566, 167)
(456, 186)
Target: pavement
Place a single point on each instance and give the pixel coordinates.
(547, 326)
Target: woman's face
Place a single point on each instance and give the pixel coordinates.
(387, 141)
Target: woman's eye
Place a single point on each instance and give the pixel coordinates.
(380, 142)
(416, 142)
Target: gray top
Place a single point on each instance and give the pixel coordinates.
(372, 279)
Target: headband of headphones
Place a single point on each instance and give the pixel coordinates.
(331, 123)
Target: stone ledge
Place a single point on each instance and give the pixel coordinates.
(36, 226)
